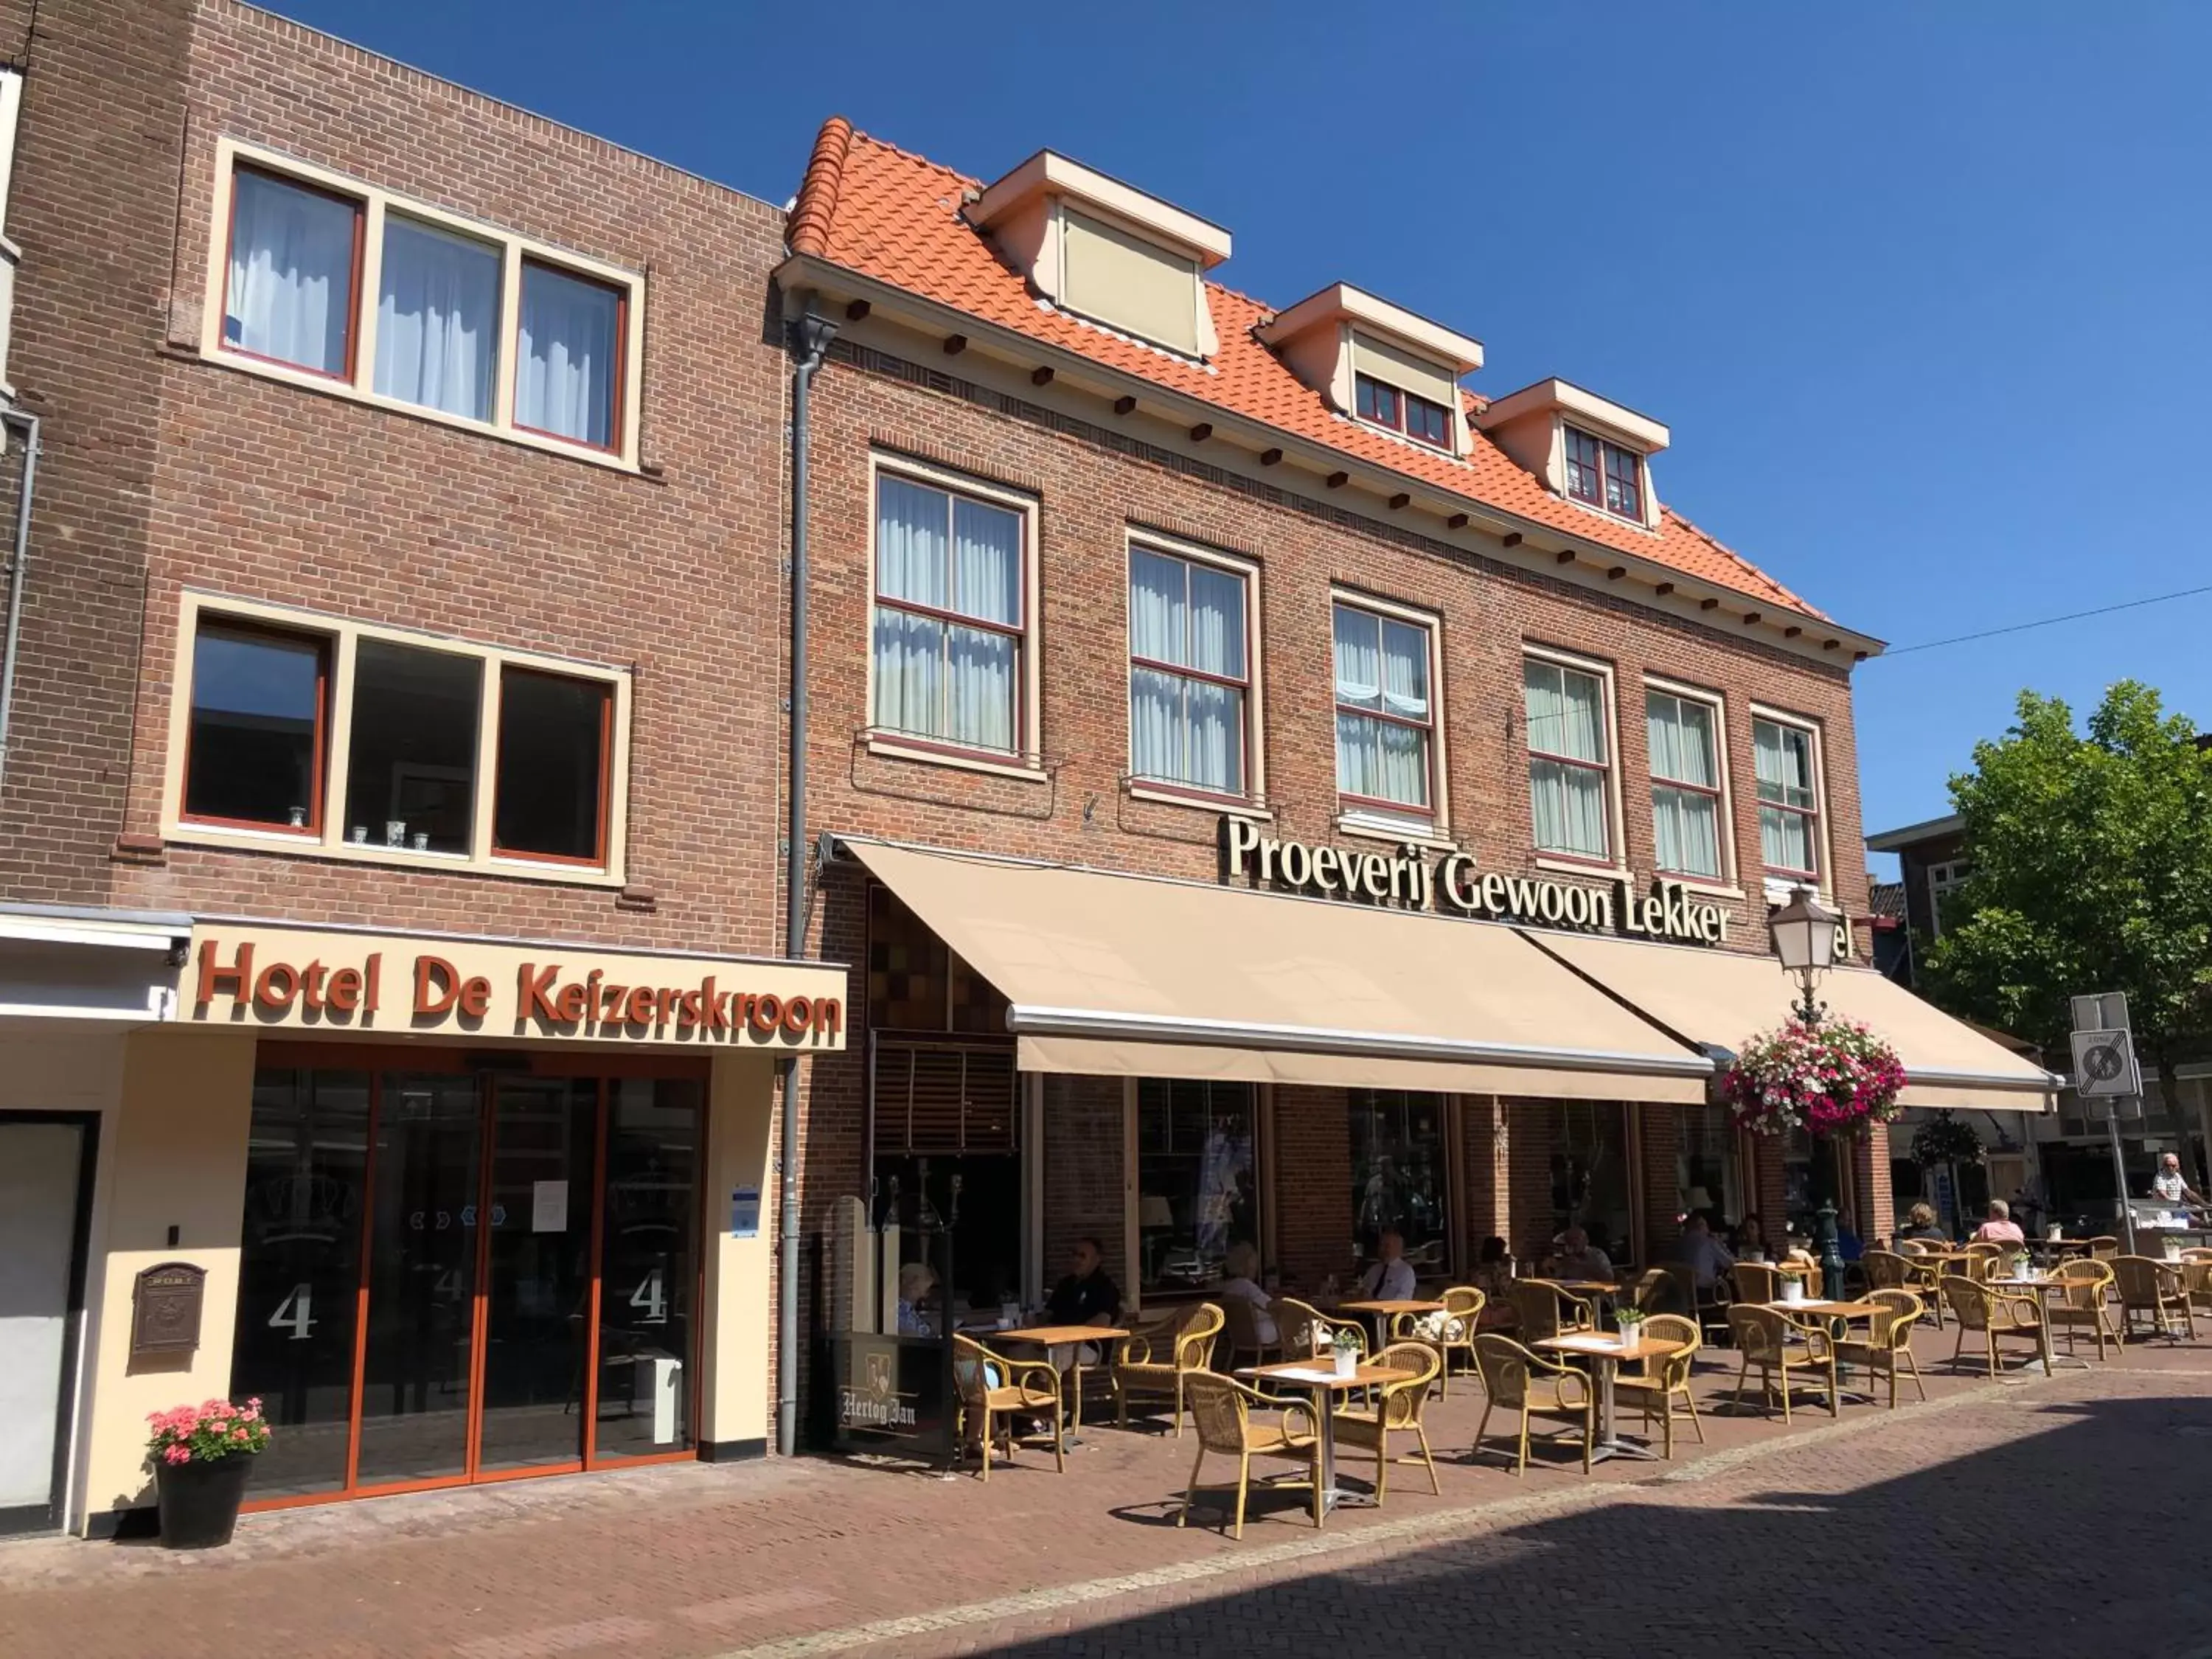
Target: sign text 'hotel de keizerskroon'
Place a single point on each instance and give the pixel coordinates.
(1451, 884)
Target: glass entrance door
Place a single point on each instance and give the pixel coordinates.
(449, 1277)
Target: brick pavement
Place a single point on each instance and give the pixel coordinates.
(1945, 1521)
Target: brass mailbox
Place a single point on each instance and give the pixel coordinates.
(165, 1309)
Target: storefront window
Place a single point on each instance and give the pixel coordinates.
(1589, 1175)
(1197, 1190)
(649, 1268)
(1399, 1157)
(1708, 1176)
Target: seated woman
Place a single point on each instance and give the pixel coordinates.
(1920, 1224)
(915, 1282)
(1750, 1243)
(1239, 1279)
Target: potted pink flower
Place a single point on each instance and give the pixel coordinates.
(201, 1455)
(1831, 1079)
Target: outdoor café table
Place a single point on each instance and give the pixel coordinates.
(1836, 1313)
(2040, 1289)
(1059, 1336)
(1604, 1352)
(1386, 1309)
(1321, 1375)
(2057, 1249)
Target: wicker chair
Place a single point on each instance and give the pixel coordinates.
(1396, 1410)
(1546, 1311)
(1756, 1281)
(1886, 1270)
(1028, 1388)
(1983, 1258)
(1297, 1320)
(1241, 1335)
(1512, 1377)
(2104, 1248)
(1774, 1343)
(1463, 1306)
(1160, 1359)
(1221, 1411)
(1996, 1315)
(2197, 1281)
(1666, 1381)
(2152, 1291)
(1658, 1292)
(1887, 1348)
(2085, 1299)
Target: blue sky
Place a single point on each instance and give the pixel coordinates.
(1921, 290)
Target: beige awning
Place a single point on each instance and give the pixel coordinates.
(1718, 998)
(1135, 977)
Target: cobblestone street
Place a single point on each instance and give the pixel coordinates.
(2028, 1516)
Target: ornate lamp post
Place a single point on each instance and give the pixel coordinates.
(1803, 931)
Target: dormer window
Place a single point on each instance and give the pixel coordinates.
(1605, 475)
(1419, 418)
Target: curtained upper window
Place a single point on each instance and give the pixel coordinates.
(1188, 677)
(437, 320)
(948, 617)
(1685, 784)
(569, 367)
(1568, 759)
(289, 296)
(1789, 805)
(1385, 712)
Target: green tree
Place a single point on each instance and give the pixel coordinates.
(2090, 870)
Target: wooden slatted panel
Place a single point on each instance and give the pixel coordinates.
(939, 1098)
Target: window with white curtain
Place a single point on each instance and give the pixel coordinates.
(403, 303)
(1385, 712)
(1189, 673)
(437, 320)
(1789, 798)
(288, 296)
(1569, 759)
(948, 617)
(1685, 784)
(568, 366)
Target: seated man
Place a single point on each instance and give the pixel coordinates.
(2169, 1185)
(2000, 1228)
(1391, 1278)
(1085, 1297)
(1573, 1256)
(1707, 1257)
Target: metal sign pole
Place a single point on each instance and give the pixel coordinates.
(2120, 1172)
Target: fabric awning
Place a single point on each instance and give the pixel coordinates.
(1719, 999)
(1136, 977)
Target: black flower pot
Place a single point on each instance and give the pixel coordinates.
(199, 1500)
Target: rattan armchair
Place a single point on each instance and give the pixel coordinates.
(1515, 1379)
(1396, 1410)
(1666, 1381)
(1022, 1387)
(2197, 1281)
(1995, 1315)
(1543, 1310)
(1887, 1348)
(1221, 1412)
(2084, 1301)
(1297, 1322)
(1462, 1308)
(2152, 1291)
(1756, 1281)
(1780, 1345)
(1886, 1270)
(2104, 1248)
(1656, 1291)
(1241, 1333)
(1158, 1359)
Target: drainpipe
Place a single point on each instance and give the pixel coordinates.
(28, 426)
(811, 336)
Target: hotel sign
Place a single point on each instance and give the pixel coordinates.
(371, 984)
(1451, 884)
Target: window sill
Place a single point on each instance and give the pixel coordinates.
(963, 760)
(1574, 866)
(1398, 834)
(1233, 806)
(1698, 885)
(403, 858)
(346, 392)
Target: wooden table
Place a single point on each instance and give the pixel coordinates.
(1321, 1375)
(1583, 1290)
(2040, 1289)
(1842, 1313)
(2048, 1248)
(1386, 1309)
(1604, 1352)
(1055, 1336)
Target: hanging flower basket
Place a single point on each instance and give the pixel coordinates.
(1944, 1140)
(1833, 1079)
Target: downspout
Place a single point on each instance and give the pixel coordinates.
(28, 426)
(811, 336)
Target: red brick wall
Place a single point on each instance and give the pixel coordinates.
(1312, 1187)
(1084, 1158)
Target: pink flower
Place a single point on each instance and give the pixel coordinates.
(177, 1455)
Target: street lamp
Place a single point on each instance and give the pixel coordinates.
(1804, 935)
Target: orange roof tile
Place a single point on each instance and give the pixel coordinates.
(875, 210)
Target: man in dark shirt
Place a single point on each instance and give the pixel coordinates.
(1087, 1295)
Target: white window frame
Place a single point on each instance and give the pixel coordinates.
(342, 637)
(1778, 883)
(1027, 761)
(1616, 861)
(514, 251)
(1254, 794)
(1727, 882)
(1943, 878)
(1378, 823)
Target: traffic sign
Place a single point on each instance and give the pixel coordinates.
(2105, 1065)
(2105, 1012)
